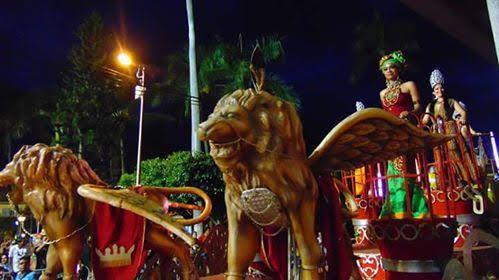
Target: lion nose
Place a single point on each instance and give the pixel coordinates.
(202, 133)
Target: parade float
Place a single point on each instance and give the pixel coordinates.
(399, 235)
(255, 139)
(271, 185)
(411, 211)
(411, 248)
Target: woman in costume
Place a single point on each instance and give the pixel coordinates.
(448, 109)
(464, 126)
(442, 106)
(402, 100)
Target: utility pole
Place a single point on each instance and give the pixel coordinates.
(193, 80)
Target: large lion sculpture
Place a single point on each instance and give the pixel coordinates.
(46, 180)
(257, 142)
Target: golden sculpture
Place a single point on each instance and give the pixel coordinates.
(46, 180)
(256, 140)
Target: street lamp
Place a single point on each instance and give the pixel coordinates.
(20, 221)
(125, 60)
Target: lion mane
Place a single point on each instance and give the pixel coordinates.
(49, 176)
(275, 123)
(254, 134)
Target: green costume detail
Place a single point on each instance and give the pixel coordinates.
(396, 57)
(397, 204)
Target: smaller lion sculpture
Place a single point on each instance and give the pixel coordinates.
(46, 179)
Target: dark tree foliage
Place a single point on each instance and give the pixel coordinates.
(379, 36)
(183, 169)
(223, 67)
(23, 120)
(88, 117)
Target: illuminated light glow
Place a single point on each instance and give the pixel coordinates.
(494, 149)
(124, 59)
(418, 172)
(432, 178)
(379, 181)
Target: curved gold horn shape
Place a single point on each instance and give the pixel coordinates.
(349, 198)
(189, 190)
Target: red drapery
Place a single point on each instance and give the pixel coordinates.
(111, 226)
(334, 236)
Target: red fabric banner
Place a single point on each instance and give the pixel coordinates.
(334, 236)
(117, 243)
(274, 253)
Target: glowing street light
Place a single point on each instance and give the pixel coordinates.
(20, 222)
(125, 60)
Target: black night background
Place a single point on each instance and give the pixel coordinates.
(329, 59)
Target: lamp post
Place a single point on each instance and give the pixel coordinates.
(20, 220)
(140, 89)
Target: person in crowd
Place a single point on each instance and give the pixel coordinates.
(18, 251)
(4, 265)
(24, 272)
(40, 250)
(5, 245)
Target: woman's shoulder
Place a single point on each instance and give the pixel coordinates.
(382, 92)
(430, 105)
(408, 84)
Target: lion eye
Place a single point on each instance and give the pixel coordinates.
(230, 115)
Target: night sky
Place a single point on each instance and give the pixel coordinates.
(35, 37)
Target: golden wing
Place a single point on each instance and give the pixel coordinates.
(369, 136)
(138, 204)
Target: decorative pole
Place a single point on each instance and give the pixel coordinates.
(193, 80)
(194, 95)
(140, 89)
(125, 60)
(494, 150)
(493, 8)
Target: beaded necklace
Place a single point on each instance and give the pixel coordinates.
(392, 94)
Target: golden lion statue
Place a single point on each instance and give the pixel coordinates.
(46, 180)
(257, 142)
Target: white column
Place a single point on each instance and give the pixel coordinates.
(493, 7)
(193, 80)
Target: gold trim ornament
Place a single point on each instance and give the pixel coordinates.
(115, 256)
(409, 231)
(393, 92)
(399, 164)
(263, 207)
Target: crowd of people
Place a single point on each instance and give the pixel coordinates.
(22, 257)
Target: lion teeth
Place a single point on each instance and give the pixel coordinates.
(223, 149)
